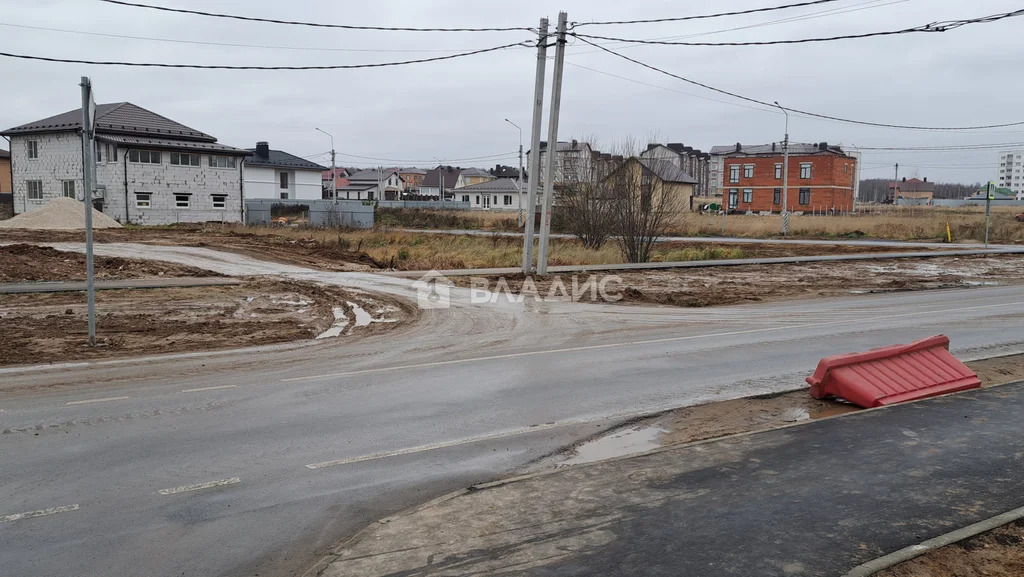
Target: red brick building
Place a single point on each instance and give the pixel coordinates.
(821, 178)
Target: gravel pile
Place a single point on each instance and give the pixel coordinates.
(59, 214)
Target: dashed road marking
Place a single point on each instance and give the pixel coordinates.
(39, 513)
(200, 486)
(208, 388)
(101, 400)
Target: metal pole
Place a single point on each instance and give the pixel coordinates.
(534, 177)
(895, 183)
(785, 174)
(334, 176)
(89, 184)
(988, 210)
(549, 169)
(519, 177)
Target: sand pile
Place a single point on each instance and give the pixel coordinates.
(59, 214)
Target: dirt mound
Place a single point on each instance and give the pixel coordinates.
(31, 263)
(59, 214)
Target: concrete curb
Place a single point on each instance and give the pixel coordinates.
(908, 553)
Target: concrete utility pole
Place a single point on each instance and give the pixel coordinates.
(549, 169)
(89, 185)
(534, 177)
(519, 178)
(895, 183)
(988, 209)
(785, 173)
(334, 176)
(856, 179)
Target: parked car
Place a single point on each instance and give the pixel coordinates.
(1020, 217)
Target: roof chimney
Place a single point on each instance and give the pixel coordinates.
(773, 147)
(263, 149)
(926, 179)
(823, 146)
(904, 179)
(739, 147)
(575, 143)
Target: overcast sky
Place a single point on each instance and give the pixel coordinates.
(454, 110)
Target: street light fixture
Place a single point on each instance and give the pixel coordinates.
(519, 180)
(785, 173)
(334, 176)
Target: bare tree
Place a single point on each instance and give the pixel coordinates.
(586, 203)
(644, 207)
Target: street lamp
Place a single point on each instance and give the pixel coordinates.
(519, 180)
(785, 173)
(334, 177)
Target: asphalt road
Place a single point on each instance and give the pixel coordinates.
(253, 462)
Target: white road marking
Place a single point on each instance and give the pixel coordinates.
(442, 445)
(208, 388)
(39, 513)
(645, 342)
(200, 486)
(102, 400)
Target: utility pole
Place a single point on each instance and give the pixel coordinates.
(334, 176)
(519, 176)
(534, 177)
(89, 185)
(895, 183)
(988, 209)
(785, 173)
(549, 169)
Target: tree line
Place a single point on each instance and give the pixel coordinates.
(877, 190)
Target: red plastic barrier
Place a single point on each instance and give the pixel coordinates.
(893, 374)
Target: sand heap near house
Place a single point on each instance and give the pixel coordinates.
(59, 214)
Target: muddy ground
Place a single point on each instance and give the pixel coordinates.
(31, 263)
(51, 327)
(700, 287)
(996, 553)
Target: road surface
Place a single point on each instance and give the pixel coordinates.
(248, 462)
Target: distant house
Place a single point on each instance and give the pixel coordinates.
(497, 194)
(912, 192)
(688, 159)
(442, 178)
(572, 160)
(471, 176)
(412, 178)
(660, 178)
(277, 174)
(502, 171)
(372, 184)
(150, 169)
(340, 177)
(998, 194)
(5, 172)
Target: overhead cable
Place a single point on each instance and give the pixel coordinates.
(703, 16)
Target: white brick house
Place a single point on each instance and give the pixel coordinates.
(275, 174)
(154, 170)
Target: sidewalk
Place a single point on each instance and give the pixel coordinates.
(814, 499)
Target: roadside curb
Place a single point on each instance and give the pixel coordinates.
(908, 553)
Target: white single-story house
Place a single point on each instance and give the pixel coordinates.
(277, 174)
(368, 185)
(497, 194)
(150, 169)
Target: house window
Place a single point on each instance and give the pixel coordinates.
(220, 201)
(748, 171)
(32, 149)
(111, 153)
(748, 195)
(99, 151)
(69, 188)
(478, 199)
(34, 189)
(777, 196)
(284, 179)
(465, 198)
(143, 199)
(369, 195)
(805, 196)
(778, 171)
(733, 197)
(222, 161)
(144, 156)
(184, 159)
(805, 170)
(508, 200)
(284, 195)
(846, 168)
(734, 173)
(182, 201)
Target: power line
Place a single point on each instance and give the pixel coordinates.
(703, 16)
(226, 44)
(794, 110)
(985, 146)
(228, 67)
(447, 160)
(932, 27)
(311, 24)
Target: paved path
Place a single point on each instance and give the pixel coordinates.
(233, 463)
(134, 283)
(815, 500)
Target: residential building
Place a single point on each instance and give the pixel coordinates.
(821, 178)
(5, 172)
(442, 178)
(471, 176)
(340, 177)
(912, 192)
(412, 179)
(658, 178)
(276, 174)
(688, 159)
(150, 169)
(496, 194)
(572, 160)
(502, 171)
(1011, 163)
(372, 184)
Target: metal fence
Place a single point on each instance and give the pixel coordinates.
(321, 213)
(435, 204)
